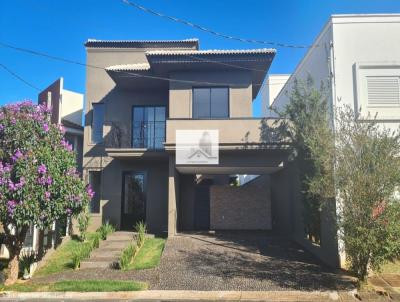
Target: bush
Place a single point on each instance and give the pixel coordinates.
(26, 259)
(127, 256)
(96, 240)
(82, 252)
(83, 223)
(105, 230)
(140, 228)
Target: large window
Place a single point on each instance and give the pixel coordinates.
(148, 129)
(211, 102)
(97, 123)
(95, 183)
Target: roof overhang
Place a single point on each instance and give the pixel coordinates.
(161, 63)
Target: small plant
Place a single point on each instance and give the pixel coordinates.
(105, 230)
(76, 258)
(140, 228)
(26, 259)
(82, 252)
(83, 223)
(127, 256)
(96, 240)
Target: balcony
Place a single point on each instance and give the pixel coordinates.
(234, 134)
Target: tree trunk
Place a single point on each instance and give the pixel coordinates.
(14, 244)
(13, 269)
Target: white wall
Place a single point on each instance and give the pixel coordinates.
(316, 63)
(366, 45)
(270, 89)
(71, 106)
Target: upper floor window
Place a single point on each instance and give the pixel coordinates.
(148, 129)
(97, 123)
(212, 102)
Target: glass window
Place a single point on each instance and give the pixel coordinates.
(148, 127)
(219, 102)
(95, 183)
(211, 102)
(97, 123)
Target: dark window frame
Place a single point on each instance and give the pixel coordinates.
(133, 124)
(211, 117)
(101, 141)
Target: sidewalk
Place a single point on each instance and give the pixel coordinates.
(178, 295)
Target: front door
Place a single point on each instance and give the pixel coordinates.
(133, 199)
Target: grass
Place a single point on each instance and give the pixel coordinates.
(79, 286)
(391, 268)
(149, 255)
(61, 259)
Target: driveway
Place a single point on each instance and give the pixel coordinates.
(242, 261)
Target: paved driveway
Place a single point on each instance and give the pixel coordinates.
(242, 261)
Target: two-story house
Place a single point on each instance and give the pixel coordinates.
(139, 95)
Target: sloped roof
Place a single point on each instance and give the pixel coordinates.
(211, 52)
(142, 43)
(127, 67)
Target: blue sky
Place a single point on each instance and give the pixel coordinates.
(61, 27)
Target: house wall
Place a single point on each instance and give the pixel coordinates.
(270, 89)
(240, 95)
(246, 207)
(156, 192)
(371, 41)
(72, 106)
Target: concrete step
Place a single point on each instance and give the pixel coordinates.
(95, 264)
(105, 255)
(120, 244)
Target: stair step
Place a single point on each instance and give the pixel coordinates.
(102, 254)
(95, 264)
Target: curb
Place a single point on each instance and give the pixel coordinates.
(180, 295)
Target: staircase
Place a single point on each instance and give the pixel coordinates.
(109, 251)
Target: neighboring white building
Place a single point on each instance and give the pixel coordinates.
(272, 85)
(357, 58)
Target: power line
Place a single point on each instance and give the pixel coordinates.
(130, 74)
(18, 77)
(213, 32)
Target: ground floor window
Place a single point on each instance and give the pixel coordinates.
(95, 183)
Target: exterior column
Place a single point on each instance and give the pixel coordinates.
(172, 197)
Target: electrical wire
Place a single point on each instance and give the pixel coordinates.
(213, 32)
(18, 77)
(129, 74)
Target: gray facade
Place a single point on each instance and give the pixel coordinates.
(141, 180)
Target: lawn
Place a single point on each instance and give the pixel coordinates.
(391, 268)
(61, 259)
(150, 254)
(79, 286)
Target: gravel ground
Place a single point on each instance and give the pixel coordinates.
(225, 261)
(242, 261)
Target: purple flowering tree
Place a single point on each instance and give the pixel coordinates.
(38, 180)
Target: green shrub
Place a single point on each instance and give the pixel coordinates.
(140, 228)
(25, 260)
(96, 240)
(83, 223)
(76, 259)
(82, 252)
(127, 256)
(105, 230)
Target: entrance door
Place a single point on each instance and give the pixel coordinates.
(202, 205)
(133, 199)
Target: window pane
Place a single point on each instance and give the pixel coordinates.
(219, 102)
(138, 114)
(95, 183)
(97, 123)
(201, 102)
(149, 114)
(160, 114)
